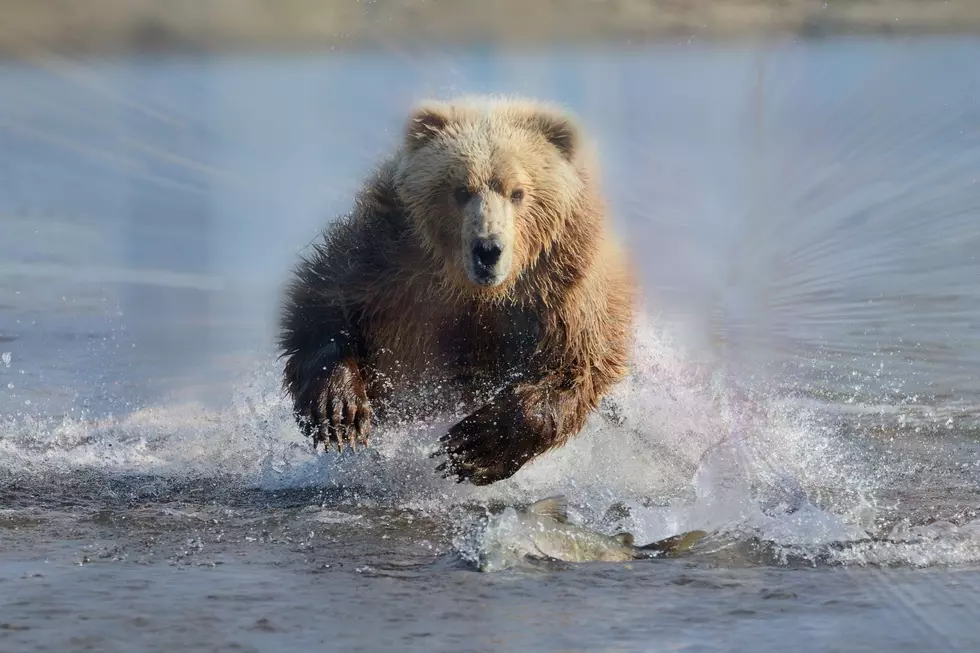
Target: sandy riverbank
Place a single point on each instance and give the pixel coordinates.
(114, 26)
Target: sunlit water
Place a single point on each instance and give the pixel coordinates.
(806, 382)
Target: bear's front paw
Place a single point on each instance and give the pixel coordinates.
(488, 446)
(341, 411)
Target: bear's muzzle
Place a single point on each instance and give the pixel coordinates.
(488, 239)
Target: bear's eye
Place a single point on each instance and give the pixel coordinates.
(517, 195)
(462, 194)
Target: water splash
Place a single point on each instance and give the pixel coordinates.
(666, 453)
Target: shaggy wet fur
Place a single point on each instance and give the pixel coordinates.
(382, 321)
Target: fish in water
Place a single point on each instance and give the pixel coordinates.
(542, 531)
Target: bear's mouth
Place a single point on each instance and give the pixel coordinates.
(485, 278)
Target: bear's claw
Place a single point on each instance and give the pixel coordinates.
(342, 412)
(485, 447)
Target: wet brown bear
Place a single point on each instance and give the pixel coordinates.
(475, 270)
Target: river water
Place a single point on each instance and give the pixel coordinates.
(806, 386)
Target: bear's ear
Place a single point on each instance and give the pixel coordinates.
(560, 130)
(427, 121)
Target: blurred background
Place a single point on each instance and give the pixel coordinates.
(128, 26)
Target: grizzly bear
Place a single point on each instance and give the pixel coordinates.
(476, 270)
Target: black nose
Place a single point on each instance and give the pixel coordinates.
(486, 252)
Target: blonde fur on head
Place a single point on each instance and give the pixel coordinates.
(518, 160)
(432, 117)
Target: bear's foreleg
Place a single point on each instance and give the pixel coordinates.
(523, 422)
(324, 377)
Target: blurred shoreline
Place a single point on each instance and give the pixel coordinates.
(119, 27)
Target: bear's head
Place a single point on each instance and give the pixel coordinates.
(489, 185)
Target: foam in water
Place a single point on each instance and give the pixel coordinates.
(669, 452)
